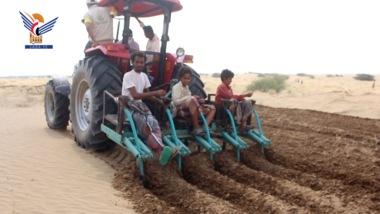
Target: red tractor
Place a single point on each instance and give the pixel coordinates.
(103, 68)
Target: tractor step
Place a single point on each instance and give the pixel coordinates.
(112, 118)
(181, 136)
(136, 146)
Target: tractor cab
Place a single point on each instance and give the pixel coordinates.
(164, 64)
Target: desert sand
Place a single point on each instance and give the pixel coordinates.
(42, 170)
(319, 162)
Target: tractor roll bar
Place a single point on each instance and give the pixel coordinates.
(167, 9)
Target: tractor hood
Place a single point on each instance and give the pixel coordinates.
(142, 8)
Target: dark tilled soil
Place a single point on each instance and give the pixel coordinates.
(318, 163)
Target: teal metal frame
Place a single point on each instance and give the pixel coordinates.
(173, 138)
(129, 139)
(183, 135)
(233, 137)
(258, 137)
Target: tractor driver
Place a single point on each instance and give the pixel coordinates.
(136, 86)
(131, 42)
(99, 24)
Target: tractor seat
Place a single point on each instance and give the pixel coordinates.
(183, 123)
(227, 102)
(113, 119)
(253, 102)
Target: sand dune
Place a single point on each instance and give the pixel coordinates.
(44, 171)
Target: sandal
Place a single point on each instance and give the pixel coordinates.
(198, 132)
(166, 153)
(212, 134)
(229, 129)
(175, 152)
(247, 128)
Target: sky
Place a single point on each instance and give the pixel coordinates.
(263, 36)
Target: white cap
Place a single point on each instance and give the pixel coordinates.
(91, 2)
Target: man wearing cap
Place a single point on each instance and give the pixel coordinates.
(153, 42)
(99, 24)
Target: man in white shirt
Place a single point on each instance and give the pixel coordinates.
(136, 85)
(153, 41)
(99, 24)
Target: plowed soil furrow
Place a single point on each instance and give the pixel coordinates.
(166, 184)
(331, 157)
(129, 185)
(167, 192)
(144, 201)
(199, 170)
(320, 118)
(289, 191)
(342, 164)
(347, 193)
(290, 125)
(288, 122)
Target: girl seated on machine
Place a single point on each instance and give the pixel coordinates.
(187, 106)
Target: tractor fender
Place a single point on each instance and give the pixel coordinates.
(61, 84)
(109, 49)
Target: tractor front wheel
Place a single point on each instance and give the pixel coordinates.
(56, 108)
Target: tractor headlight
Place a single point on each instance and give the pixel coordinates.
(180, 52)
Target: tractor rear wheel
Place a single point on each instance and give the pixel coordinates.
(92, 76)
(56, 108)
(196, 86)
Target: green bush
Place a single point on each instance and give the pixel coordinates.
(364, 77)
(302, 74)
(286, 77)
(215, 75)
(269, 74)
(330, 75)
(305, 75)
(261, 75)
(274, 82)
